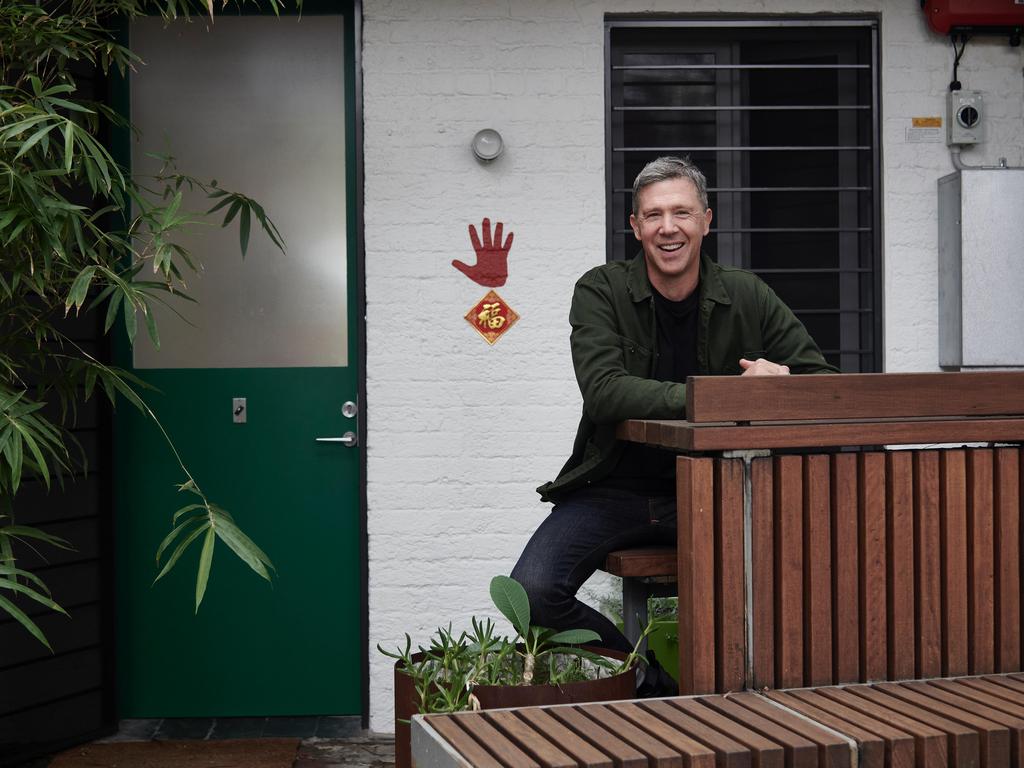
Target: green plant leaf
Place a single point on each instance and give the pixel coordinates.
(574, 637)
(31, 593)
(243, 546)
(510, 599)
(20, 616)
(205, 562)
(180, 549)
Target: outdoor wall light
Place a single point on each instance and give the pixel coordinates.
(487, 144)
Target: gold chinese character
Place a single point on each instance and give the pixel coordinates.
(490, 316)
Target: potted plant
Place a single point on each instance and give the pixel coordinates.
(481, 670)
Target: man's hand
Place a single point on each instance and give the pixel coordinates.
(491, 268)
(762, 367)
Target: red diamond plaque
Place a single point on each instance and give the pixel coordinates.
(491, 317)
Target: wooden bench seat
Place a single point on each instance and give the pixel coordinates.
(646, 572)
(975, 722)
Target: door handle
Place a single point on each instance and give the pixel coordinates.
(349, 440)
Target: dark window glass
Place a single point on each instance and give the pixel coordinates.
(782, 117)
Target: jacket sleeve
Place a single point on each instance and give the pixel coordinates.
(786, 339)
(612, 369)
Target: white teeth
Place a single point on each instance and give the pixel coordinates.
(671, 246)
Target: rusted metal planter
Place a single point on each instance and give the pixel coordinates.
(620, 686)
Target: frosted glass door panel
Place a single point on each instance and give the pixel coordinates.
(256, 103)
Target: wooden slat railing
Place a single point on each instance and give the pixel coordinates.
(864, 566)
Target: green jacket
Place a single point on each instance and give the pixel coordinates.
(613, 351)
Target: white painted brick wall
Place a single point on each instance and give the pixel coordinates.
(460, 433)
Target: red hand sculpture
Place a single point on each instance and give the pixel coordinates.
(491, 268)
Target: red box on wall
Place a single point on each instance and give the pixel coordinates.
(945, 15)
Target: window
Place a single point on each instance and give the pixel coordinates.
(781, 114)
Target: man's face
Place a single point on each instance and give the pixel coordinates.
(670, 224)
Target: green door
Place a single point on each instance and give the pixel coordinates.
(265, 365)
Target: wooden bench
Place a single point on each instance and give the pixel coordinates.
(838, 608)
(646, 572)
(975, 722)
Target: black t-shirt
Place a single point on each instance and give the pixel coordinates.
(643, 468)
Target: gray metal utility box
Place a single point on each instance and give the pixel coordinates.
(981, 269)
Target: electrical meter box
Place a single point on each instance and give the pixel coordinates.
(981, 269)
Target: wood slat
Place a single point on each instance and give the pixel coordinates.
(929, 743)
(763, 569)
(623, 754)
(686, 436)
(496, 743)
(833, 751)
(983, 690)
(899, 491)
(968, 738)
(1007, 508)
(865, 395)
(845, 558)
(695, 754)
(901, 747)
(765, 753)
(980, 570)
(953, 529)
(927, 565)
(800, 752)
(789, 572)
(581, 750)
(696, 575)
(730, 642)
(872, 550)
(871, 749)
(729, 753)
(462, 742)
(642, 561)
(817, 526)
(1000, 732)
(658, 753)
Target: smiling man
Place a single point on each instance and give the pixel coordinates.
(639, 328)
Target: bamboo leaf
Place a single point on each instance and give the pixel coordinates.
(243, 230)
(172, 536)
(205, 563)
(24, 620)
(79, 288)
(243, 546)
(180, 549)
(28, 532)
(31, 594)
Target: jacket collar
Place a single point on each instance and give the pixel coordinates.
(711, 287)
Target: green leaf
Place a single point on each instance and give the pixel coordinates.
(28, 532)
(574, 636)
(131, 323)
(180, 549)
(205, 561)
(32, 594)
(24, 620)
(510, 598)
(173, 535)
(243, 229)
(79, 288)
(243, 546)
(147, 315)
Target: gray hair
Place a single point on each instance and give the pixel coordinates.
(670, 167)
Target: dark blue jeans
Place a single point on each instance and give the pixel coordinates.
(572, 543)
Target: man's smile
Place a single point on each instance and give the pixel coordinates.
(670, 246)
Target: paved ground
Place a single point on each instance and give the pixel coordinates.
(326, 742)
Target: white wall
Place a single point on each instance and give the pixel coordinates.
(460, 433)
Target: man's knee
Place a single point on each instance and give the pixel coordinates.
(548, 599)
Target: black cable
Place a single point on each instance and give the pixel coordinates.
(954, 84)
